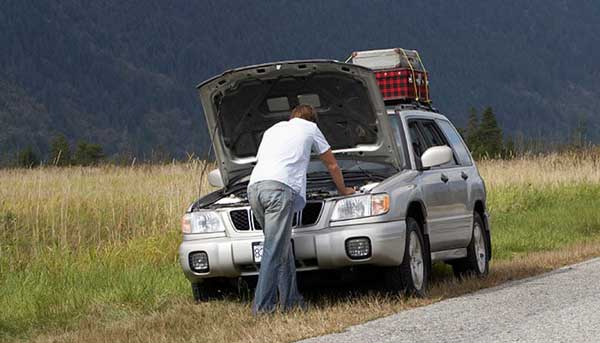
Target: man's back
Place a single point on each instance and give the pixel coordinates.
(284, 153)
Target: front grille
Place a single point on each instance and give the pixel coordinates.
(240, 221)
(311, 212)
(256, 223)
(309, 216)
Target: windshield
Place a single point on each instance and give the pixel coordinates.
(397, 129)
(352, 165)
(348, 166)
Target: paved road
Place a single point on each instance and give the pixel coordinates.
(561, 306)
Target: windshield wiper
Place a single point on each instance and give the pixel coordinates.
(367, 173)
(322, 175)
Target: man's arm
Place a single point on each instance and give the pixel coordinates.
(336, 173)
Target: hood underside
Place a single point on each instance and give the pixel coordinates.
(241, 104)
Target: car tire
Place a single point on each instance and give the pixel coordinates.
(245, 287)
(478, 255)
(209, 289)
(412, 275)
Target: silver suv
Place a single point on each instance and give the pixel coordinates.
(420, 200)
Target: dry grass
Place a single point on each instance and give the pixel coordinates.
(555, 169)
(228, 321)
(75, 208)
(91, 253)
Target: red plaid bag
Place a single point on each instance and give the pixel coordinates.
(398, 84)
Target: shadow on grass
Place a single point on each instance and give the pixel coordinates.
(332, 287)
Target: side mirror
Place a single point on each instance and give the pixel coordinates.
(215, 179)
(436, 156)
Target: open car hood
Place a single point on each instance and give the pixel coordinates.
(241, 104)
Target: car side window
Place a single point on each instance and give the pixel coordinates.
(456, 143)
(435, 137)
(432, 134)
(416, 140)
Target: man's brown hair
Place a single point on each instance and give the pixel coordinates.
(305, 112)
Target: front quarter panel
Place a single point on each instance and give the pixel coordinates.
(403, 190)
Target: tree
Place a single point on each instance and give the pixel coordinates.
(490, 134)
(472, 133)
(60, 153)
(508, 150)
(27, 158)
(88, 154)
(579, 134)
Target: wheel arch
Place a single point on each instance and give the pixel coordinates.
(479, 208)
(416, 209)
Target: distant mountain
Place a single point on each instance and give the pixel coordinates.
(123, 73)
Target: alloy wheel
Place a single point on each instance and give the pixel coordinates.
(480, 253)
(416, 260)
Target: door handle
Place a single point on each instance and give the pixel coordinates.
(464, 175)
(444, 178)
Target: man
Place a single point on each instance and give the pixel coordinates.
(276, 190)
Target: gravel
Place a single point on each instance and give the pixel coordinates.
(560, 306)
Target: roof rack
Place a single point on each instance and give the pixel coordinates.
(411, 105)
(400, 73)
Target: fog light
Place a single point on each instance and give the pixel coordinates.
(358, 248)
(199, 262)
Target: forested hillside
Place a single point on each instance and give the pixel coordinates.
(122, 73)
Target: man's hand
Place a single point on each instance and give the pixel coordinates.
(348, 191)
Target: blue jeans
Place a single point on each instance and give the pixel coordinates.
(272, 203)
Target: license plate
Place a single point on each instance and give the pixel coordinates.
(257, 251)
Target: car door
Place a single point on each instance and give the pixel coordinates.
(447, 232)
(461, 188)
(435, 189)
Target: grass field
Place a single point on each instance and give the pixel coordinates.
(91, 253)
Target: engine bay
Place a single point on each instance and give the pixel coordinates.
(361, 175)
(319, 187)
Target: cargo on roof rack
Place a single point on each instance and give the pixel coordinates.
(400, 73)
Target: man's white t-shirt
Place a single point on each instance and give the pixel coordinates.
(284, 153)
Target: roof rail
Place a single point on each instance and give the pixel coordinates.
(411, 105)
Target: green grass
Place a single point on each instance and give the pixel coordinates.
(56, 288)
(542, 219)
(53, 288)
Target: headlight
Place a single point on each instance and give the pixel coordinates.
(202, 222)
(361, 206)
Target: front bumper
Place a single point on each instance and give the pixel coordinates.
(316, 249)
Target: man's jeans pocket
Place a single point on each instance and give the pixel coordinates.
(272, 195)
